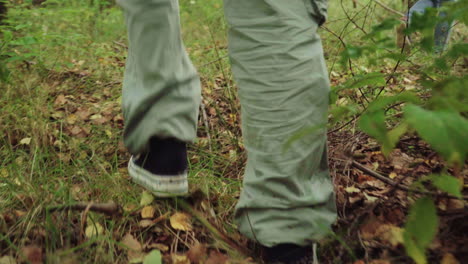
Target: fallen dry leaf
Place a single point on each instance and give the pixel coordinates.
(352, 189)
(98, 119)
(60, 100)
(449, 259)
(20, 213)
(159, 246)
(33, 254)
(133, 244)
(148, 212)
(395, 216)
(217, 258)
(94, 229)
(400, 160)
(134, 248)
(25, 141)
(181, 221)
(145, 223)
(197, 253)
(369, 198)
(7, 260)
(392, 234)
(83, 114)
(454, 204)
(71, 119)
(375, 184)
(375, 229)
(76, 130)
(180, 259)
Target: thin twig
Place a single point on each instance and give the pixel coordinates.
(205, 121)
(401, 186)
(120, 44)
(214, 61)
(388, 8)
(84, 216)
(109, 208)
(216, 231)
(345, 124)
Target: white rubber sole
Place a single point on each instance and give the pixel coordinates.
(159, 185)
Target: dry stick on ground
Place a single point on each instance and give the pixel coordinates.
(120, 44)
(401, 186)
(109, 208)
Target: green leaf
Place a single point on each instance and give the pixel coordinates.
(449, 93)
(387, 24)
(154, 257)
(358, 81)
(384, 101)
(392, 138)
(339, 113)
(447, 183)
(7, 36)
(420, 229)
(412, 249)
(373, 123)
(457, 50)
(445, 131)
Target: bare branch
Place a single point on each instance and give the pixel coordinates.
(388, 8)
(109, 208)
(388, 181)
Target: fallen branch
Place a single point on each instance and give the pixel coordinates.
(109, 208)
(401, 186)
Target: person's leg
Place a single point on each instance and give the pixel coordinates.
(420, 7)
(278, 64)
(442, 31)
(161, 93)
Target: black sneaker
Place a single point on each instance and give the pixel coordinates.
(163, 169)
(290, 254)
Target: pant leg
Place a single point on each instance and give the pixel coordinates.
(420, 7)
(278, 64)
(441, 34)
(442, 29)
(161, 89)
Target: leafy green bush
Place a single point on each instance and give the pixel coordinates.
(436, 110)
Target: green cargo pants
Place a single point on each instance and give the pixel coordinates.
(277, 61)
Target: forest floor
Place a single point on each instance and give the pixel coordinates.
(65, 194)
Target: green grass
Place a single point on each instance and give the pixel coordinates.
(68, 49)
(78, 52)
